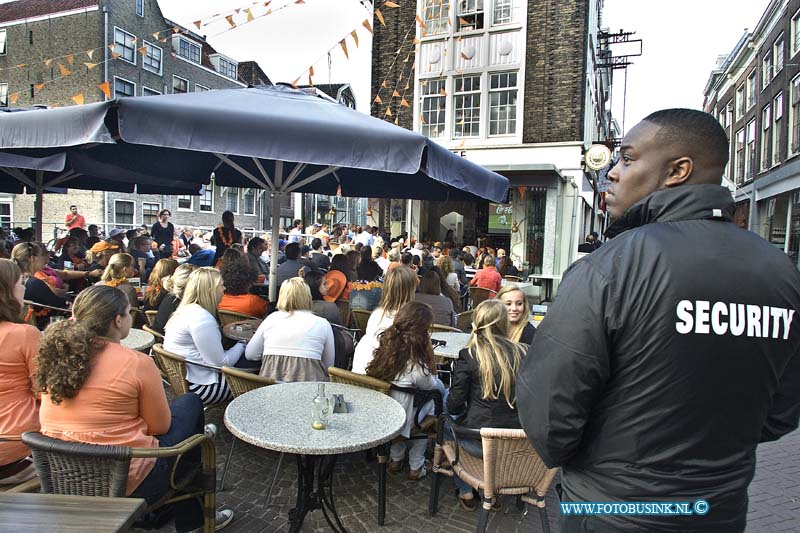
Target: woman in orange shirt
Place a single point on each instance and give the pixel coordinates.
(19, 411)
(96, 391)
(488, 277)
(238, 277)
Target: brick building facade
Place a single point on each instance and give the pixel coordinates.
(42, 40)
(755, 93)
(518, 87)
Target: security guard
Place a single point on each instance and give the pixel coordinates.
(673, 350)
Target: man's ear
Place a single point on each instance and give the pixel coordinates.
(679, 171)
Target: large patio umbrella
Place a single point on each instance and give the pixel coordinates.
(279, 139)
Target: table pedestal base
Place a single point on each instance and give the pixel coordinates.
(315, 491)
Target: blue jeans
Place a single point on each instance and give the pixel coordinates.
(187, 419)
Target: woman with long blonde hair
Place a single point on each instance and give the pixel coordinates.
(193, 332)
(482, 389)
(120, 268)
(398, 289)
(519, 312)
(173, 286)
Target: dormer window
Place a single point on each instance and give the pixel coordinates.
(188, 50)
(225, 66)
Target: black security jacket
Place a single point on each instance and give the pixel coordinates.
(635, 384)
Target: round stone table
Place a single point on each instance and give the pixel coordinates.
(278, 418)
(455, 343)
(138, 340)
(241, 330)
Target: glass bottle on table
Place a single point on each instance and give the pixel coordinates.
(321, 409)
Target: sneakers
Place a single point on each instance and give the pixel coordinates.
(210, 430)
(224, 518)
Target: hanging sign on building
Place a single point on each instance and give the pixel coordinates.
(597, 157)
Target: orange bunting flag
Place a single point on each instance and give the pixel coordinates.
(294, 83)
(70, 59)
(39, 86)
(378, 99)
(406, 87)
(143, 50)
(463, 22)
(198, 23)
(111, 47)
(78, 98)
(416, 41)
(311, 70)
(267, 3)
(397, 121)
(90, 66)
(380, 16)
(13, 97)
(300, 2)
(367, 25)
(355, 37)
(383, 84)
(462, 145)
(21, 65)
(115, 55)
(421, 22)
(229, 18)
(90, 53)
(521, 190)
(465, 56)
(395, 94)
(343, 44)
(389, 112)
(106, 88)
(390, 4)
(155, 34)
(176, 29)
(47, 62)
(237, 10)
(404, 103)
(443, 92)
(422, 119)
(310, 81)
(64, 70)
(250, 17)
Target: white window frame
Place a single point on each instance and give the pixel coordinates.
(777, 127)
(427, 128)
(208, 189)
(793, 138)
(225, 66)
(740, 101)
(749, 149)
(767, 70)
(148, 68)
(151, 92)
(178, 202)
(174, 77)
(778, 50)
(502, 5)
(126, 81)
(750, 84)
(460, 94)
(470, 11)
(200, 88)
(140, 8)
(3, 95)
(766, 138)
(7, 224)
(436, 15)
(490, 91)
(158, 204)
(3, 42)
(191, 45)
(120, 48)
(794, 38)
(738, 153)
(249, 192)
(225, 193)
(133, 219)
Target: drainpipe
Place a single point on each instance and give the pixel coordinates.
(105, 79)
(572, 229)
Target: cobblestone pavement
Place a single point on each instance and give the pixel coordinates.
(774, 495)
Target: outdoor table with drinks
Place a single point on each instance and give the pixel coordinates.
(454, 343)
(297, 418)
(241, 330)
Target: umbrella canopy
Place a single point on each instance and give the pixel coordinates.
(276, 138)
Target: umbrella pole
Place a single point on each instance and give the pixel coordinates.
(37, 207)
(273, 251)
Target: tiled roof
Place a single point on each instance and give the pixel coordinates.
(23, 9)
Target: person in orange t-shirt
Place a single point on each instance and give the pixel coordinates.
(73, 219)
(488, 277)
(96, 391)
(238, 277)
(19, 411)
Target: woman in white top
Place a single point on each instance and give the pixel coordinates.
(293, 344)
(398, 288)
(193, 332)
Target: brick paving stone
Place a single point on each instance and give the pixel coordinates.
(774, 495)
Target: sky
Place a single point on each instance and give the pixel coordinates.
(681, 42)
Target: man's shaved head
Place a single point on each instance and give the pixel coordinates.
(695, 134)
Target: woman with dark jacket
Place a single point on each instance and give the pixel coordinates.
(482, 390)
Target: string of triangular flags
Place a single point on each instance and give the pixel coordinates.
(238, 17)
(342, 43)
(388, 114)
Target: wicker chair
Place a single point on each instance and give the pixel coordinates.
(174, 366)
(442, 328)
(464, 321)
(361, 317)
(422, 430)
(94, 470)
(512, 279)
(241, 382)
(509, 465)
(159, 337)
(344, 311)
(150, 316)
(479, 294)
(226, 317)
